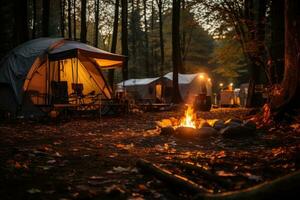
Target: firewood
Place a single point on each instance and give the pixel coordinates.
(203, 172)
(173, 180)
(286, 187)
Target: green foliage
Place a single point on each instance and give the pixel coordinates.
(228, 58)
(197, 46)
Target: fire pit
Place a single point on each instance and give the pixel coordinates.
(189, 126)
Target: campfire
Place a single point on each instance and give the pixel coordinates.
(191, 126)
(189, 119)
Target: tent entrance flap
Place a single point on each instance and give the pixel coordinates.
(65, 81)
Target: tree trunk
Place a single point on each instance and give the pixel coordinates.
(7, 27)
(183, 38)
(114, 42)
(146, 39)
(153, 63)
(45, 21)
(161, 37)
(133, 40)
(83, 22)
(256, 22)
(124, 4)
(69, 20)
(176, 54)
(74, 19)
(21, 25)
(33, 34)
(96, 23)
(277, 40)
(287, 97)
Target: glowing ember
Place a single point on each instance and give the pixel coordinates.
(189, 119)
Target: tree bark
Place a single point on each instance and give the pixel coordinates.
(161, 36)
(183, 33)
(133, 27)
(74, 19)
(45, 18)
(256, 22)
(69, 19)
(277, 40)
(83, 22)
(124, 4)
(33, 34)
(21, 24)
(176, 51)
(287, 96)
(96, 31)
(146, 40)
(114, 42)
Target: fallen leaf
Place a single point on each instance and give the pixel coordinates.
(33, 191)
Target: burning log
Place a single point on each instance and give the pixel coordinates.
(174, 180)
(286, 187)
(203, 172)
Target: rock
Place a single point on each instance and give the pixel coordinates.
(186, 132)
(169, 130)
(233, 121)
(250, 124)
(164, 123)
(212, 122)
(236, 132)
(218, 125)
(204, 123)
(206, 132)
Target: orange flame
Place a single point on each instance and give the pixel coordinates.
(189, 118)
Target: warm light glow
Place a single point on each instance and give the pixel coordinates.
(209, 79)
(231, 84)
(201, 76)
(189, 119)
(221, 84)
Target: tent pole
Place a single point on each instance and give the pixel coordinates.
(47, 80)
(77, 101)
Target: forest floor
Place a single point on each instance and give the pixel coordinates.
(89, 158)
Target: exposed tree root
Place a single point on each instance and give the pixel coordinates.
(173, 180)
(286, 187)
(206, 174)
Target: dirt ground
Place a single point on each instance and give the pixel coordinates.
(93, 158)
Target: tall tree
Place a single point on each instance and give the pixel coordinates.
(277, 41)
(183, 33)
(114, 41)
(45, 18)
(34, 19)
(176, 51)
(161, 36)
(83, 30)
(74, 19)
(257, 15)
(21, 24)
(146, 38)
(69, 19)
(124, 38)
(96, 30)
(133, 36)
(287, 95)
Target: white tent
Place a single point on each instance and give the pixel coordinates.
(30, 73)
(191, 85)
(143, 89)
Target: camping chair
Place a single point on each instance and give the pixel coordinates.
(77, 92)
